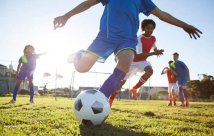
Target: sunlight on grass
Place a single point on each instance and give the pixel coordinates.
(55, 117)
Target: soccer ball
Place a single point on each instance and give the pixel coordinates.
(91, 107)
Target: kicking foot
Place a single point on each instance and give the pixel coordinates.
(134, 93)
(12, 101)
(75, 55)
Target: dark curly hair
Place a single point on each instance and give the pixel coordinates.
(145, 22)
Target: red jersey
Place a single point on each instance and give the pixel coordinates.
(145, 44)
(171, 77)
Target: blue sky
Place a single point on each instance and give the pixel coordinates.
(30, 22)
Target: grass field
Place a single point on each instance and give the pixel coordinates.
(127, 118)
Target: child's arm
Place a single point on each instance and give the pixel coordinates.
(166, 17)
(40, 54)
(164, 70)
(61, 20)
(173, 72)
(156, 52)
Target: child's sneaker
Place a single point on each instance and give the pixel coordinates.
(12, 101)
(75, 55)
(134, 93)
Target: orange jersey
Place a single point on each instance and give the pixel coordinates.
(145, 44)
(171, 77)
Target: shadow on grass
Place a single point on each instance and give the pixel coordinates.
(9, 106)
(148, 113)
(108, 130)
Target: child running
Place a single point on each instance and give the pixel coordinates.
(146, 42)
(183, 76)
(118, 34)
(172, 87)
(26, 67)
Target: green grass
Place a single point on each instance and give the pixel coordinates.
(127, 118)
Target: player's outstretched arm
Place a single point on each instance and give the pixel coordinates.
(164, 70)
(60, 21)
(166, 17)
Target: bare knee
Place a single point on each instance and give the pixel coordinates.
(85, 63)
(82, 69)
(125, 59)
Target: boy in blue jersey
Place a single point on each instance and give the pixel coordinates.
(182, 74)
(26, 67)
(118, 34)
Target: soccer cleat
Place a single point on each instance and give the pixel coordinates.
(12, 101)
(134, 93)
(72, 58)
(111, 98)
(174, 103)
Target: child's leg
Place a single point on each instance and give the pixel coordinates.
(186, 95)
(113, 82)
(148, 72)
(170, 94)
(170, 99)
(16, 89)
(113, 95)
(84, 61)
(174, 97)
(181, 95)
(31, 89)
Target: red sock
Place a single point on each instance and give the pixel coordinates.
(142, 80)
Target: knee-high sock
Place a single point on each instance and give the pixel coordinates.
(181, 94)
(31, 92)
(113, 82)
(142, 80)
(186, 94)
(15, 91)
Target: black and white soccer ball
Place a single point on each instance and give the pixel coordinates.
(91, 107)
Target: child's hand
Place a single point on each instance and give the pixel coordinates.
(192, 31)
(159, 52)
(59, 21)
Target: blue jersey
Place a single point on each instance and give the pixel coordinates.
(120, 19)
(30, 65)
(181, 70)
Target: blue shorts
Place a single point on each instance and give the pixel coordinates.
(24, 73)
(182, 81)
(104, 47)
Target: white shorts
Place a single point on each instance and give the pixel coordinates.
(172, 86)
(136, 67)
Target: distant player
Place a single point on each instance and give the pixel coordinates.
(172, 87)
(146, 42)
(183, 76)
(26, 67)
